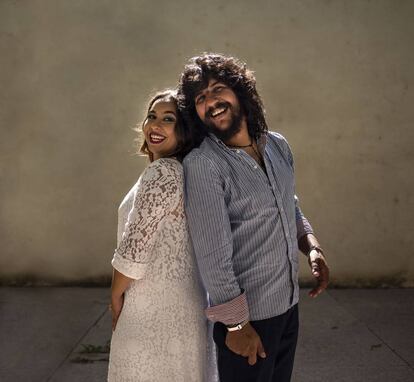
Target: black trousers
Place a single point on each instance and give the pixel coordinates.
(279, 337)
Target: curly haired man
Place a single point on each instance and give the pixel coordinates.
(245, 221)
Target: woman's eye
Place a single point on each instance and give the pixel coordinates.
(151, 116)
(169, 119)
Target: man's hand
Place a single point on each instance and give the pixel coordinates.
(320, 271)
(246, 342)
(117, 302)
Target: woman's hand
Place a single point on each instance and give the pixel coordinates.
(117, 302)
(120, 284)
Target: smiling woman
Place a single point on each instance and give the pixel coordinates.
(164, 131)
(159, 328)
(159, 128)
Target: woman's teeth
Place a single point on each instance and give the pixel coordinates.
(155, 138)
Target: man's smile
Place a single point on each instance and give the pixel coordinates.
(218, 111)
(215, 113)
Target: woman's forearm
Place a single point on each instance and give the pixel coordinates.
(120, 283)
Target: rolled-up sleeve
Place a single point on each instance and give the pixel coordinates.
(303, 226)
(156, 197)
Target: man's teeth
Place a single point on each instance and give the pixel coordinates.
(216, 112)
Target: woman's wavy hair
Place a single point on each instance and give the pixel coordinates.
(185, 136)
(231, 72)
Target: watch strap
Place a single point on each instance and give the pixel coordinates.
(234, 328)
(316, 248)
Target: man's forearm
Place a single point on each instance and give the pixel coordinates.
(308, 241)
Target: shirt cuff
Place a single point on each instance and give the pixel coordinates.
(128, 268)
(231, 312)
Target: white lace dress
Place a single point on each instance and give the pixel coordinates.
(161, 334)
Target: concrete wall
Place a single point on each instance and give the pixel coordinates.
(336, 77)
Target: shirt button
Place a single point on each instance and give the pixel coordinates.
(255, 167)
(238, 151)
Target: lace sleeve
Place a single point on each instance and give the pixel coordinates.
(157, 195)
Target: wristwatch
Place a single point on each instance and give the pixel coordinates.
(317, 248)
(233, 328)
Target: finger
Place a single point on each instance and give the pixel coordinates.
(323, 282)
(252, 356)
(315, 268)
(325, 273)
(261, 351)
(245, 352)
(324, 277)
(113, 323)
(315, 292)
(115, 317)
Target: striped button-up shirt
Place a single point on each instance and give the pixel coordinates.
(245, 224)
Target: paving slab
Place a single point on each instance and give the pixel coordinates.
(389, 313)
(40, 327)
(336, 345)
(88, 362)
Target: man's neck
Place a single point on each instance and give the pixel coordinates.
(242, 138)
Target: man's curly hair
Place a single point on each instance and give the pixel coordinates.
(231, 72)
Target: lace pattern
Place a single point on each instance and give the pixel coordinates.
(161, 334)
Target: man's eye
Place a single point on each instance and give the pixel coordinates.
(218, 89)
(200, 99)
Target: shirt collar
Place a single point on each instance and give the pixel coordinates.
(217, 140)
(261, 142)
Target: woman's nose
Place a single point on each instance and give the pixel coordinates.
(155, 124)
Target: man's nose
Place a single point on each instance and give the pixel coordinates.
(211, 100)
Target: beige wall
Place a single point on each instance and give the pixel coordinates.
(336, 77)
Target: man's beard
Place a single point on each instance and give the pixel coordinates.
(232, 130)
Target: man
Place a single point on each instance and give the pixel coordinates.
(245, 222)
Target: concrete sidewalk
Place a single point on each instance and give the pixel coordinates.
(353, 335)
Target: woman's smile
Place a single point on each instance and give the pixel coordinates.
(156, 139)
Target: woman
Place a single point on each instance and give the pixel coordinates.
(159, 330)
